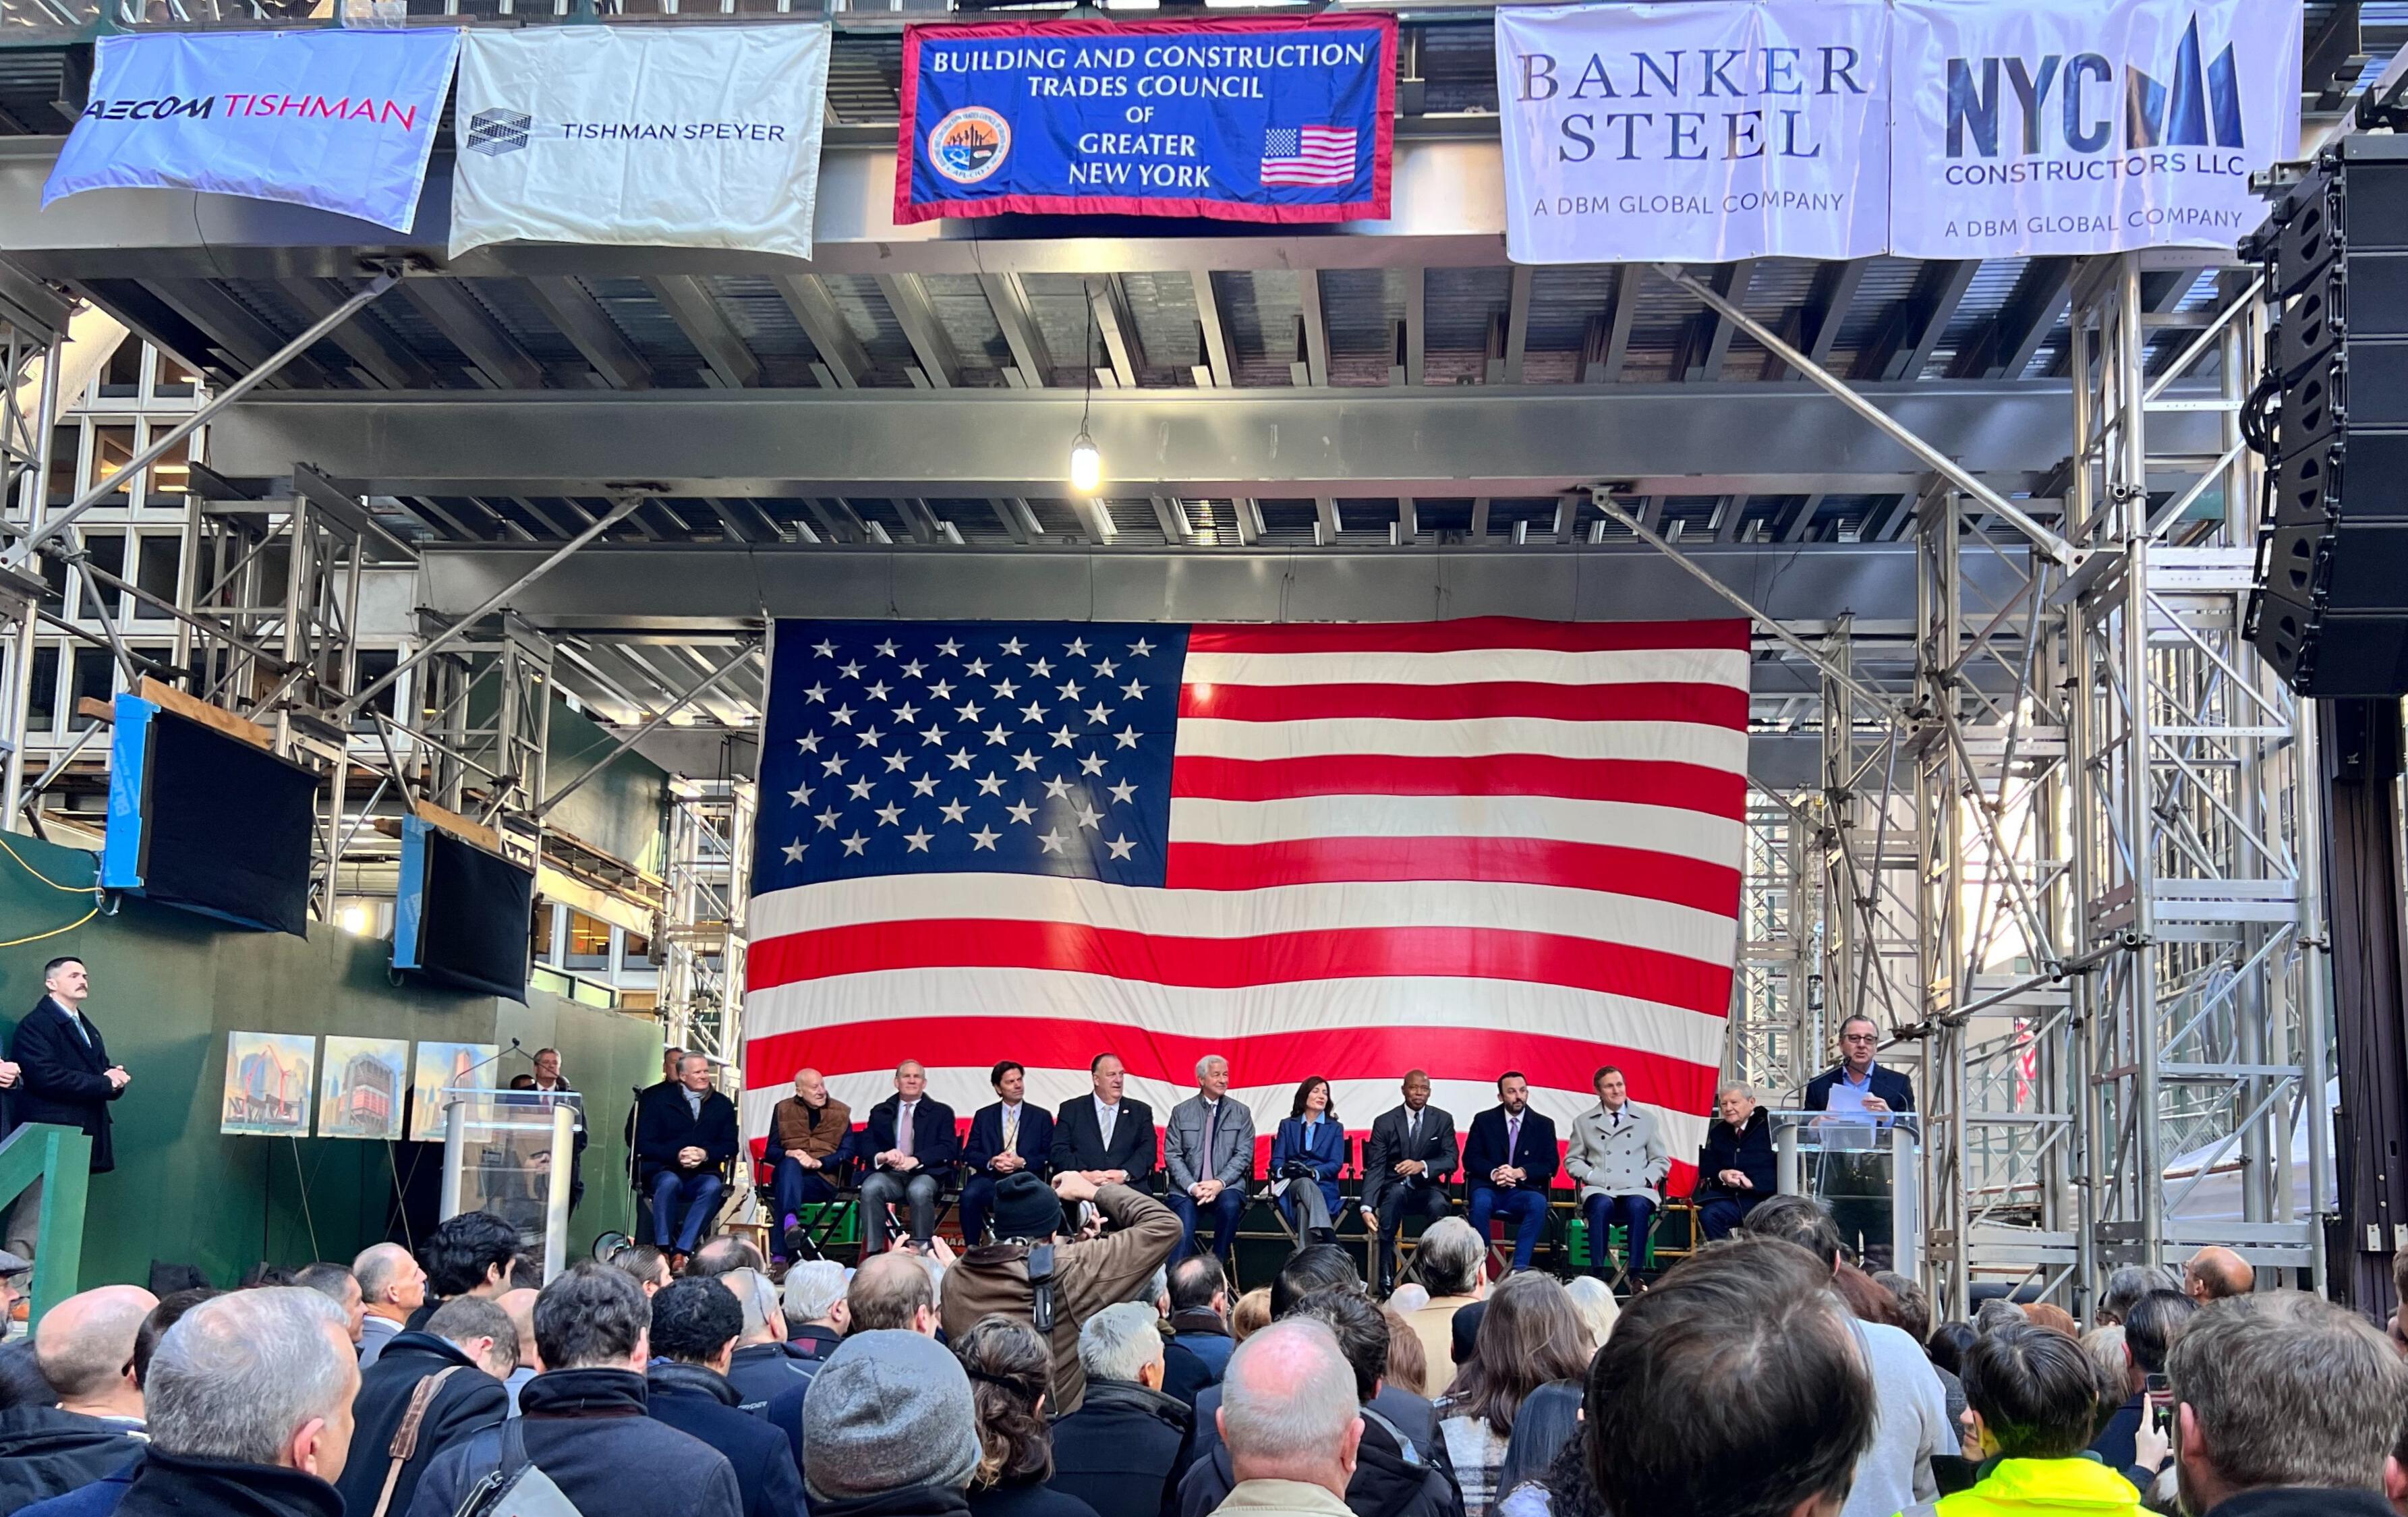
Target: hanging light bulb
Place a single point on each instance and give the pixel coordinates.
(1087, 464)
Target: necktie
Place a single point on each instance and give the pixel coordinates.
(1104, 1120)
(74, 1020)
(1212, 1110)
(903, 1129)
(1512, 1137)
(1413, 1128)
(1011, 1129)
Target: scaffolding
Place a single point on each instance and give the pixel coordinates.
(703, 937)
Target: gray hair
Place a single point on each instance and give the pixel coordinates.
(1449, 1257)
(1156, 1287)
(2128, 1283)
(1118, 1341)
(1207, 1062)
(2290, 1390)
(1287, 1397)
(239, 1374)
(2105, 1346)
(812, 1290)
(1593, 1300)
(759, 1299)
(376, 1267)
(1740, 1085)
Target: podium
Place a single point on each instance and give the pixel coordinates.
(1866, 1170)
(511, 1154)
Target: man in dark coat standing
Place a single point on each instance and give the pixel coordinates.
(684, 1138)
(65, 1072)
(469, 1335)
(695, 1323)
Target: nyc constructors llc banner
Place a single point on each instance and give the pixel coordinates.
(1926, 128)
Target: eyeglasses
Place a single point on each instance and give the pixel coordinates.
(1860, 1037)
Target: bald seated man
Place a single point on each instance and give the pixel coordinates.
(391, 1286)
(2216, 1273)
(85, 1349)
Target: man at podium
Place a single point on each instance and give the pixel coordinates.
(1857, 1185)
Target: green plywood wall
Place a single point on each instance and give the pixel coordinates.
(168, 986)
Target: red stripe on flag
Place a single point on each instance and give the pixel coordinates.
(1526, 861)
(1467, 631)
(1638, 781)
(1229, 963)
(1719, 706)
(1468, 1052)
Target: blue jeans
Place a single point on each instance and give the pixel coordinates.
(794, 1187)
(1528, 1209)
(1636, 1212)
(694, 1196)
(1226, 1209)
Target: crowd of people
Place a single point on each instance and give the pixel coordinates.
(1071, 1371)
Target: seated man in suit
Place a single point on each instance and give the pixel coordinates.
(683, 1139)
(1618, 1157)
(1508, 1160)
(1208, 1150)
(811, 1134)
(1735, 1168)
(1108, 1139)
(1005, 1138)
(911, 1146)
(1406, 1160)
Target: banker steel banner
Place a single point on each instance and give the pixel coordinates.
(1248, 118)
(341, 120)
(1695, 133)
(701, 137)
(2071, 126)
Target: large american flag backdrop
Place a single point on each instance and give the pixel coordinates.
(1344, 850)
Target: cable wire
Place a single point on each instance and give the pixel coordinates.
(72, 890)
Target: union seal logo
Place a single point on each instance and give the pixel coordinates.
(969, 144)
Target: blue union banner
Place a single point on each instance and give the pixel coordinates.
(1249, 120)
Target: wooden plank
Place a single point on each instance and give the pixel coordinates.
(168, 698)
(457, 824)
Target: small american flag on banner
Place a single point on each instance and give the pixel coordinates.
(1308, 155)
(1346, 851)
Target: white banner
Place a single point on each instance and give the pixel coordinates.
(701, 137)
(342, 121)
(1694, 133)
(2069, 126)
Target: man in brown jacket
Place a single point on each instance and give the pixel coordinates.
(808, 1136)
(1086, 1276)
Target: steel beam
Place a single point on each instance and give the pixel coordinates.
(1115, 329)
(625, 587)
(1315, 326)
(843, 361)
(698, 315)
(471, 328)
(235, 332)
(908, 300)
(387, 361)
(583, 322)
(1009, 298)
(1217, 347)
(1426, 441)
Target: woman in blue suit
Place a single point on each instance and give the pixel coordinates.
(1311, 1138)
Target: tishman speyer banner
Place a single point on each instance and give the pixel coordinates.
(698, 137)
(2067, 126)
(1699, 133)
(341, 120)
(1246, 119)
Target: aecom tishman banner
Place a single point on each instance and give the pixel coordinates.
(2065, 126)
(341, 120)
(1248, 118)
(1697, 132)
(702, 136)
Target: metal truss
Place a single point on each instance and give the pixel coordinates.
(2196, 826)
(703, 938)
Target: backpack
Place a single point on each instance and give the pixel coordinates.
(514, 1487)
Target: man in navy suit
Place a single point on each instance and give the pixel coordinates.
(1859, 1185)
(683, 1142)
(1509, 1161)
(1008, 1135)
(1108, 1139)
(1858, 1083)
(912, 1148)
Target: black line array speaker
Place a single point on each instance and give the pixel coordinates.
(2331, 414)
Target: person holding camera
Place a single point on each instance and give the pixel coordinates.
(1306, 1156)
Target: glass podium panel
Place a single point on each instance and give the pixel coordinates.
(508, 1152)
(1866, 1170)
